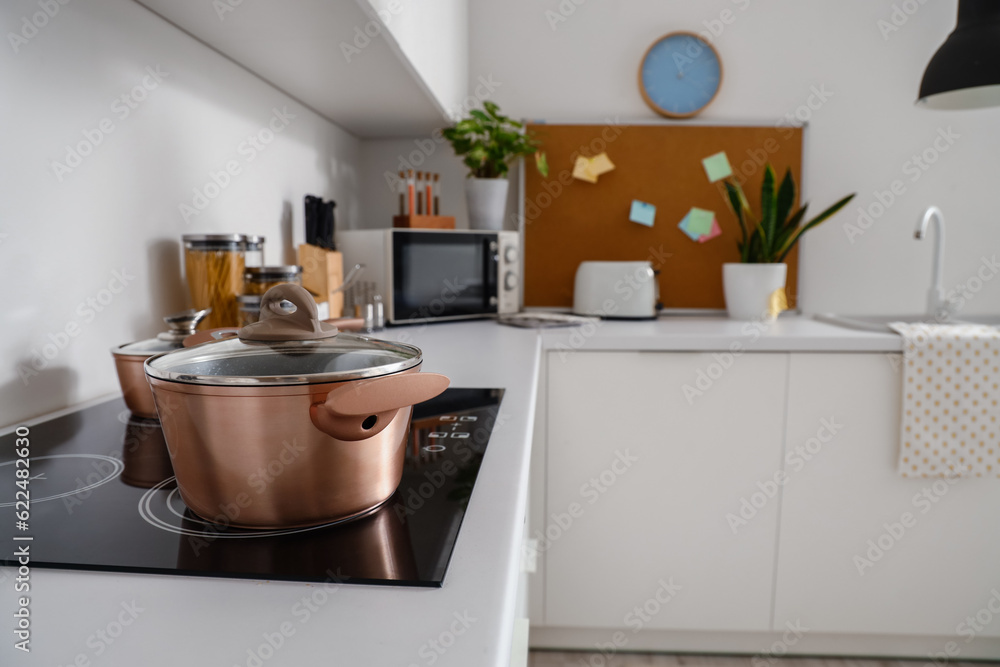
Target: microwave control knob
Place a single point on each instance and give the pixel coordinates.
(510, 254)
(510, 281)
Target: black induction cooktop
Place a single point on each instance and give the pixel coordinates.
(103, 498)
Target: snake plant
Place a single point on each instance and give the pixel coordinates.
(769, 237)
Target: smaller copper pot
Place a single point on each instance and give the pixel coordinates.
(130, 358)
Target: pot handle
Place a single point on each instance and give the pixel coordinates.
(361, 409)
(277, 324)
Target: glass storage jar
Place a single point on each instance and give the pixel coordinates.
(259, 279)
(213, 266)
(255, 250)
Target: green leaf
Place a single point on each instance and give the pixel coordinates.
(768, 219)
(735, 202)
(785, 233)
(476, 113)
(786, 198)
(822, 217)
(492, 109)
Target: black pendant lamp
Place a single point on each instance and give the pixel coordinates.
(965, 71)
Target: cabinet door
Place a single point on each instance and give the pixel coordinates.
(863, 550)
(641, 480)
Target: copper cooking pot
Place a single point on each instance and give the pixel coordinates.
(291, 423)
(130, 357)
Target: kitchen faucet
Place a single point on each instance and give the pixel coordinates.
(937, 305)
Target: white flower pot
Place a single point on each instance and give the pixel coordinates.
(487, 202)
(749, 286)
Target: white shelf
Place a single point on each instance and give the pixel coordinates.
(296, 46)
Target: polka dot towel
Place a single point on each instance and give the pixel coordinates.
(951, 389)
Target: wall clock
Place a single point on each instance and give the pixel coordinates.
(680, 75)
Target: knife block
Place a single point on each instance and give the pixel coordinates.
(322, 273)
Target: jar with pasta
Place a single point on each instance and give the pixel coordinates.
(259, 279)
(214, 265)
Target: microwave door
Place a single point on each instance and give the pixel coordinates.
(443, 276)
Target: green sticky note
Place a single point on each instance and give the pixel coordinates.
(700, 221)
(643, 213)
(717, 167)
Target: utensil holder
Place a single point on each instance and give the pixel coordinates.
(424, 221)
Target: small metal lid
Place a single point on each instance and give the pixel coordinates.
(181, 324)
(254, 241)
(263, 274)
(215, 241)
(284, 348)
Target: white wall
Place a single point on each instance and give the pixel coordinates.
(64, 235)
(435, 38)
(774, 53)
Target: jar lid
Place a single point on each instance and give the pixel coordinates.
(266, 273)
(181, 324)
(284, 348)
(249, 301)
(254, 241)
(215, 241)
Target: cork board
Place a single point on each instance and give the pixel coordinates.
(567, 221)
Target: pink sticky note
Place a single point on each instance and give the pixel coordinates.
(712, 233)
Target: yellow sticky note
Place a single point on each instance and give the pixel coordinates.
(717, 167)
(583, 171)
(601, 164)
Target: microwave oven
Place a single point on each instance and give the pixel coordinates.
(429, 275)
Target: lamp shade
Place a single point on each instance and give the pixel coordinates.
(964, 73)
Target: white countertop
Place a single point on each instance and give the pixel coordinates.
(207, 621)
(789, 333)
(201, 621)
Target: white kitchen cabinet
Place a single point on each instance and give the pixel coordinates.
(936, 554)
(639, 483)
(339, 58)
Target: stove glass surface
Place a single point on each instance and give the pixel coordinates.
(103, 498)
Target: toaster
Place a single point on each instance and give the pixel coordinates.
(626, 290)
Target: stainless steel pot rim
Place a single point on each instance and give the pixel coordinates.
(235, 363)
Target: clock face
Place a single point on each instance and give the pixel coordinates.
(679, 75)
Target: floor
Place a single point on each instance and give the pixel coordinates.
(581, 659)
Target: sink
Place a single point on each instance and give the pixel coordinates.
(880, 323)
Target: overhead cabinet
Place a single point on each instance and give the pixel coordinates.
(338, 58)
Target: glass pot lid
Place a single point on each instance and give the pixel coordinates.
(285, 347)
(181, 325)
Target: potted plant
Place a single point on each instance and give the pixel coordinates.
(766, 241)
(488, 143)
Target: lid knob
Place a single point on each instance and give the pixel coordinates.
(183, 324)
(277, 324)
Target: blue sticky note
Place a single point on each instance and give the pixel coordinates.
(643, 213)
(685, 226)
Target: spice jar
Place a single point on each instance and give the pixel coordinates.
(259, 279)
(214, 266)
(254, 250)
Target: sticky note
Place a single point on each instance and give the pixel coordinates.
(685, 226)
(717, 167)
(716, 231)
(701, 221)
(582, 170)
(601, 164)
(642, 213)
